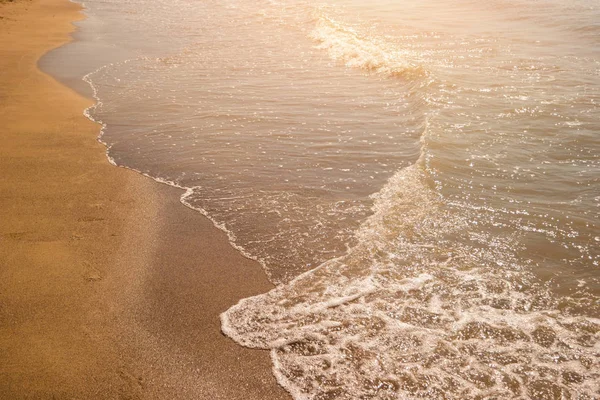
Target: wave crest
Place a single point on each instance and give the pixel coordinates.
(414, 312)
(357, 50)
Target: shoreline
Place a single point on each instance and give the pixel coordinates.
(109, 286)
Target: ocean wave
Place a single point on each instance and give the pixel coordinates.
(358, 50)
(421, 308)
(428, 303)
(424, 305)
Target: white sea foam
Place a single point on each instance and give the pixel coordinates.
(358, 50)
(411, 312)
(89, 112)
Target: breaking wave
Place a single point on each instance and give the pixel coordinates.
(358, 50)
(421, 309)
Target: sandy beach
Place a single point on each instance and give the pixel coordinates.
(109, 288)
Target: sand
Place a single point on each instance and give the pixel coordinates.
(109, 287)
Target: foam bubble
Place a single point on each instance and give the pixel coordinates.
(357, 50)
(413, 311)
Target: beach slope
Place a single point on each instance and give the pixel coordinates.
(109, 288)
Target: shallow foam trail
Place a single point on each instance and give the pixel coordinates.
(411, 312)
(91, 113)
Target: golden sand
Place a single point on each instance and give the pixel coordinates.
(109, 288)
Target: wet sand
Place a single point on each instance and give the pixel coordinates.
(109, 287)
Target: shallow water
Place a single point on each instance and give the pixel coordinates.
(420, 180)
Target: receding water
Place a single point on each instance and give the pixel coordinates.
(420, 179)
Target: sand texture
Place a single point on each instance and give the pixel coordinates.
(109, 287)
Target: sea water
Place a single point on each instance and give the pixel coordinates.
(419, 179)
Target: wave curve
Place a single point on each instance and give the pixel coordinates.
(357, 50)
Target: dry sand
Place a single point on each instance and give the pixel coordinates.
(109, 288)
